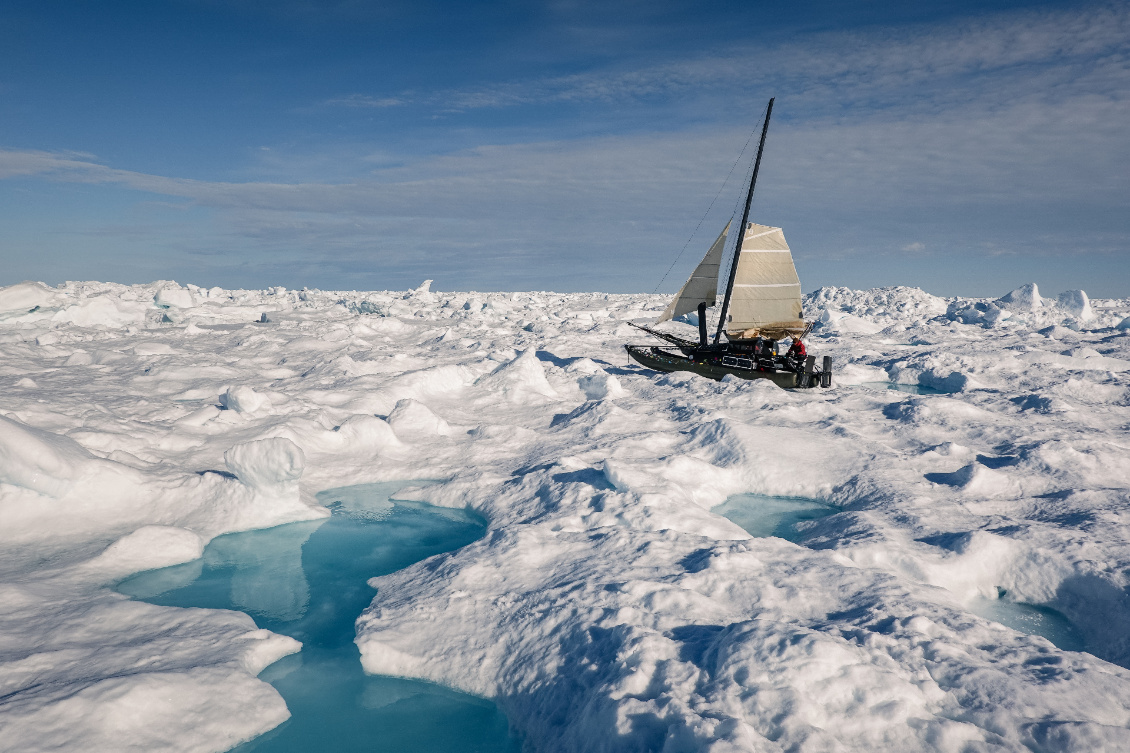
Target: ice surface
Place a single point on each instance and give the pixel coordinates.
(308, 580)
(600, 386)
(174, 297)
(607, 607)
(146, 548)
(1077, 304)
(267, 465)
(1024, 298)
(412, 419)
(243, 399)
(24, 297)
(39, 460)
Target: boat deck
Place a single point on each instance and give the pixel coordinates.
(661, 360)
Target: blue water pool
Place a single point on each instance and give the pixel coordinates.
(778, 516)
(1030, 619)
(308, 580)
(913, 389)
(761, 515)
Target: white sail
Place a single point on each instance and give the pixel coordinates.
(766, 295)
(702, 284)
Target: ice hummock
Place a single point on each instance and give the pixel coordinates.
(606, 606)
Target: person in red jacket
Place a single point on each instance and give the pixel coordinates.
(796, 354)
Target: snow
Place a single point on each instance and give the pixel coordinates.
(1077, 304)
(148, 548)
(243, 399)
(39, 460)
(608, 608)
(267, 465)
(174, 297)
(413, 420)
(22, 297)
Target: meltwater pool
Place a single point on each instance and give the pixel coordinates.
(308, 580)
(761, 515)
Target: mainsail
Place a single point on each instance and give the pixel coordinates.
(766, 295)
(762, 288)
(702, 286)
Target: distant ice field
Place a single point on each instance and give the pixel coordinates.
(951, 574)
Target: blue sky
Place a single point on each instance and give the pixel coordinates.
(965, 148)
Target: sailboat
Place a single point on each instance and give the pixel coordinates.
(761, 306)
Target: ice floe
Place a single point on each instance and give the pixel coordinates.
(609, 606)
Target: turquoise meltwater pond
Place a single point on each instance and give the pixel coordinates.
(778, 516)
(761, 515)
(913, 389)
(1031, 619)
(308, 581)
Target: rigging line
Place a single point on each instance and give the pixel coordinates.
(699, 225)
(731, 246)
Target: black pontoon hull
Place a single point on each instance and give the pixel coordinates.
(661, 360)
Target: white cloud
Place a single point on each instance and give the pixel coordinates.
(822, 71)
(364, 100)
(1004, 133)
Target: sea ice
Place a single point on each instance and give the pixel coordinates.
(267, 465)
(174, 297)
(606, 607)
(243, 399)
(24, 297)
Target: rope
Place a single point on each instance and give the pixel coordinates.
(699, 225)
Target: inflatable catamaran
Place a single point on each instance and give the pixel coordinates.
(761, 307)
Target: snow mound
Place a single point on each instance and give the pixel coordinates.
(1076, 304)
(243, 399)
(1025, 306)
(146, 711)
(174, 297)
(584, 366)
(413, 419)
(521, 380)
(977, 312)
(841, 322)
(362, 434)
(878, 306)
(39, 460)
(148, 548)
(23, 297)
(101, 311)
(267, 465)
(600, 386)
(977, 480)
(1024, 298)
(854, 374)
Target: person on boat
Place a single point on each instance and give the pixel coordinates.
(797, 353)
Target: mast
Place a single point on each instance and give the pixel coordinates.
(741, 228)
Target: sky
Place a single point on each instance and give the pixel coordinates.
(965, 148)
